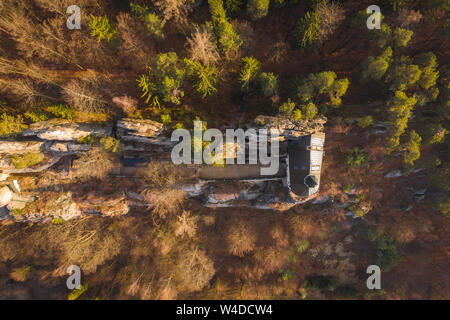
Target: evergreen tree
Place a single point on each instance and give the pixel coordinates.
(412, 152)
(227, 38)
(308, 29)
(205, 77)
(101, 28)
(269, 84)
(164, 82)
(400, 111)
(250, 68)
(257, 9)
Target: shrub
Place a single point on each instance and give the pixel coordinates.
(250, 68)
(365, 121)
(308, 29)
(412, 152)
(166, 119)
(101, 28)
(26, 160)
(110, 144)
(355, 158)
(89, 140)
(20, 274)
(386, 253)
(302, 246)
(322, 282)
(309, 110)
(269, 84)
(94, 164)
(36, 115)
(288, 274)
(76, 293)
(11, 124)
(62, 111)
(438, 134)
(257, 9)
(286, 109)
(57, 220)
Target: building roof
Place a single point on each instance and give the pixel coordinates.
(305, 163)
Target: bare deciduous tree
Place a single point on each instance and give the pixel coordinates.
(85, 96)
(407, 18)
(241, 238)
(186, 224)
(202, 47)
(138, 51)
(195, 269)
(174, 9)
(331, 16)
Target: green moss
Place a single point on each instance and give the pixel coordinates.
(26, 160)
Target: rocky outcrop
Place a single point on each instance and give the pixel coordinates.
(144, 131)
(113, 205)
(8, 168)
(5, 196)
(66, 148)
(64, 130)
(19, 147)
(290, 128)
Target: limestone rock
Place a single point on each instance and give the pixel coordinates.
(64, 130)
(19, 147)
(290, 128)
(5, 196)
(66, 148)
(139, 128)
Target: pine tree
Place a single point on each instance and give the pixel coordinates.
(412, 152)
(227, 38)
(400, 111)
(257, 9)
(164, 82)
(269, 84)
(206, 77)
(101, 28)
(250, 68)
(308, 29)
